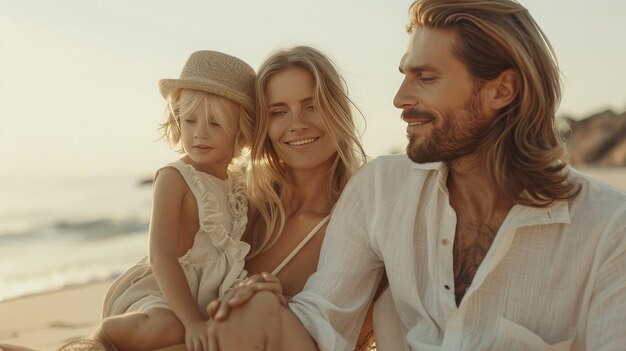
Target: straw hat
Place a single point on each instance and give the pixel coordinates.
(216, 73)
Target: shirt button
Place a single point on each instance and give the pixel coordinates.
(444, 242)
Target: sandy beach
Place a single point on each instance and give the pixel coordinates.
(46, 321)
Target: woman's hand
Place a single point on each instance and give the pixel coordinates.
(197, 336)
(242, 292)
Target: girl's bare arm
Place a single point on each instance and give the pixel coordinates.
(169, 192)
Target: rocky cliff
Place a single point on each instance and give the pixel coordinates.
(598, 140)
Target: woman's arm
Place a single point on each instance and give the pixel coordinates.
(170, 190)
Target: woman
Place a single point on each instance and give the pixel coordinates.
(304, 152)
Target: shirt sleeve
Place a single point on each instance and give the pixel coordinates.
(335, 299)
(607, 310)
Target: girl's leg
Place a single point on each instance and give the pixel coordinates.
(151, 330)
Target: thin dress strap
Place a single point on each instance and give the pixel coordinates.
(300, 245)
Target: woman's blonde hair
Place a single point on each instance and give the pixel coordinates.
(523, 149)
(181, 104)
(268, 184)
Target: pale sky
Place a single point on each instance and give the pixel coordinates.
(79, 92)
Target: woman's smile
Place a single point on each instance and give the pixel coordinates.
(301, 142)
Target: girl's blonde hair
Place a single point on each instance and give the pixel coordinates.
(181, 104)
(523, 149)
(268, 185)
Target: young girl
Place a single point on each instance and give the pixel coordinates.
(199, 213)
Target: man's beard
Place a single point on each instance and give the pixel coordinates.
(460, 133)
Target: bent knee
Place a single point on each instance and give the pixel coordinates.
(262, 312)
(259, 320)
(265, 301)
(263, 305)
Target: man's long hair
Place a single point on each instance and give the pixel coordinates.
(523, 150)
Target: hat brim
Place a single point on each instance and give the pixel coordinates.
(172, 86)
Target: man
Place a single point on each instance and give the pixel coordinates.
(488, 239)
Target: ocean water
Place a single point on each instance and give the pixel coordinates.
(69, 231)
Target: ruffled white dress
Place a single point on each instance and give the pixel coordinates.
(215, 261)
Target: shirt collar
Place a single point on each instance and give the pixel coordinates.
(442, 173)
(428, 166)
(557, 212)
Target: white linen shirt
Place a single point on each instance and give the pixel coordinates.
(553, 279)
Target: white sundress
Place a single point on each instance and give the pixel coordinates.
(215, 261)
